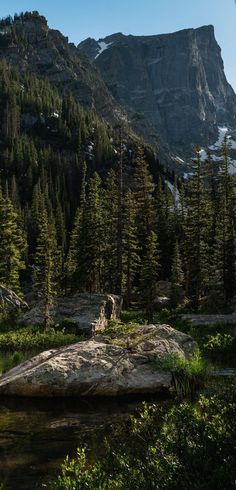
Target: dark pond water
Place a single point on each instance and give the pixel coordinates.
(36, 435)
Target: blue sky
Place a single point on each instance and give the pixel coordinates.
(79, 19)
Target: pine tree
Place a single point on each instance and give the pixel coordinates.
(149, 273)
(38, 208)
(46, 266)
(85, 260)
(111, 208)
(72, 279)
(196, 228)
(144, 187)
(167, 222)
(177, 276)
(120, 224)
(12, 247)
(131, 258)
(226, 225)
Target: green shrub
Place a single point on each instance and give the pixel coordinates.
(188, 447)
(116, 328)
(221, 346)
(10, 361)
(188, 374)
(133, 315)
(67, 325)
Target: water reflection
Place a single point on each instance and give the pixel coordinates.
(36, 434)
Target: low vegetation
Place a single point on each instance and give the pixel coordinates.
(188, 375)
(9, 361)
(32, 338)
(17, 343)
(188, 446)
(217, 342)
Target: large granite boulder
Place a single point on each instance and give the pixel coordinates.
(10, 301)
(79, 313)
(102, 367)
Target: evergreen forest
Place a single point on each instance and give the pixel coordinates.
(138, 264)
(86, 207)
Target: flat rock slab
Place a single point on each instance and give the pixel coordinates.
(96, 368)
(210, 319)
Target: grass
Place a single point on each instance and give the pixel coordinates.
(31, 338)
(17, 343)
(188, 375)
(9, 361)
(194, 366)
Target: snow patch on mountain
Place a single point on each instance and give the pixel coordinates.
(232, 167)
(216, 157)
(233, 144)
(102, 47)
(178, 160)
(174, 191)
(203, 154)
(222, 133)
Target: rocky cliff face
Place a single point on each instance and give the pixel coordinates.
(170, 88)
(172, 85)
(29, 44)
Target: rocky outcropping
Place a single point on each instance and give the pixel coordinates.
(9, 300)
(100, 367)
(32, 46)
(172, 85)
(171, 89)
(80, 313)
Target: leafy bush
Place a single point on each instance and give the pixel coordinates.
(221, 346)
(217, 341)
(189, 447)
(116, 328)
(133, 315)
(67, 325)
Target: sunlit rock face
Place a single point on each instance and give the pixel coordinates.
(82, 313)
(99, 367)
(173, 85)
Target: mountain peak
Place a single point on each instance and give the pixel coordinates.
(28, 42)
(172, 84)
(23, 17)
